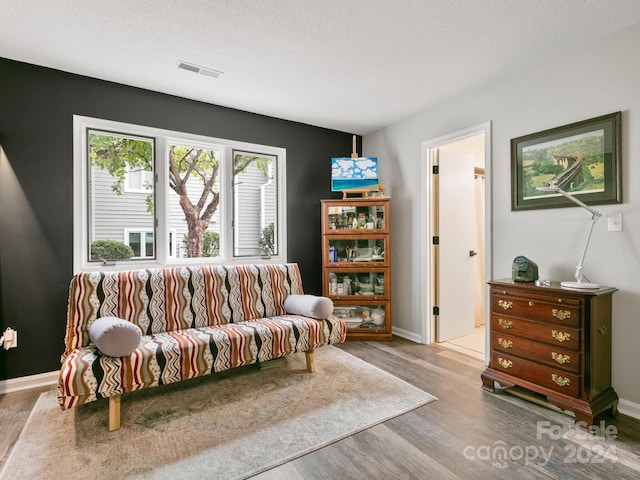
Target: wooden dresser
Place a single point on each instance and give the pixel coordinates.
(553, 341)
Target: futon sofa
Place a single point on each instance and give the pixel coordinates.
(136, 329)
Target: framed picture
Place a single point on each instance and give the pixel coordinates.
(582, 159)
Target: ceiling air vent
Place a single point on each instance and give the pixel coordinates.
(190, 67)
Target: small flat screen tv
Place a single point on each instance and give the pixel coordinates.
(349, 173)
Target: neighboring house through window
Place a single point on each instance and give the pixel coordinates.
(138, 180)
(148, 196)
(141, 242)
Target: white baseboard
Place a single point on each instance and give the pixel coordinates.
(414, 337)
(630, 409)
(32, 381)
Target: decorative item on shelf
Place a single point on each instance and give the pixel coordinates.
(378, 288)
(333, 256)
(581, 281)
(379, 192)
(377, 316)
(346, 282)
(363, 255)
(524, 270)
(366, 288)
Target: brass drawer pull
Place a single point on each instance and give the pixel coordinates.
(505, 304)
(560, 358)
(530, 303)
(505, 323)
(505, 363)
(561, 314)
(505, 343)
(602, 330)
(560, 336)
(562, 381)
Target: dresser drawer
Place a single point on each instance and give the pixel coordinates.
(552, 356)
(548, 377)
(567, 338)
(561, 311)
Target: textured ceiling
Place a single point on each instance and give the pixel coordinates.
(349, 65)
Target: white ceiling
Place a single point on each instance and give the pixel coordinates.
(349, 65)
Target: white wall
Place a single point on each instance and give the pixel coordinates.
(597, 80)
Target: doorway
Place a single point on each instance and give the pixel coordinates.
(457, 249)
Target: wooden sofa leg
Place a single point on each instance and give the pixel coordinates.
(114, 413)
(311, 360)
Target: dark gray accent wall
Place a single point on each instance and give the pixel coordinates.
(36, 189)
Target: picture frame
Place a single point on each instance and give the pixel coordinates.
(582, 158)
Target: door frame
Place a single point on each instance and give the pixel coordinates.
(428, 324)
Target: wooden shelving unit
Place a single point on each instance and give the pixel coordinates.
(356, 264)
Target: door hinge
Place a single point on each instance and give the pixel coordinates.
(436, 240)
(436, 310)
(435, 170)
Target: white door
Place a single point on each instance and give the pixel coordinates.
(458, 251)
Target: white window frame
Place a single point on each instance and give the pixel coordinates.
(163, 138)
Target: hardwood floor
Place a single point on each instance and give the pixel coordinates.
(467, 434)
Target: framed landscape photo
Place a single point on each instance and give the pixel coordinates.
(582, 159)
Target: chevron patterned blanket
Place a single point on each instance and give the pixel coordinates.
(193, 321)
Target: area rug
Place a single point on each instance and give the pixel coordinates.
(231, 425)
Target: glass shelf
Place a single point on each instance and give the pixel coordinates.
(342, 250)
(356, 217)
(369, 316)
(357, 283)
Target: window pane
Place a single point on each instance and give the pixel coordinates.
(254, 205)
(149, 245)
(194, 199)
(172, 244)
(112, 208)
(134, 243)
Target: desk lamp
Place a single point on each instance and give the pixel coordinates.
(581, 281)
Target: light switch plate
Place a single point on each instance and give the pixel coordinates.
(614, 222)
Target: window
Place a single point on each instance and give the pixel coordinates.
(140, 242)
(254, 205)
(156, 197)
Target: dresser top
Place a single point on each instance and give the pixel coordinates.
(552, 287)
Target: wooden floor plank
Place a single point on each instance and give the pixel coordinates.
(447, 439)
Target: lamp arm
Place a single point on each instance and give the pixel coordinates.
(595, 215)
(594, 219)
(576, 201)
